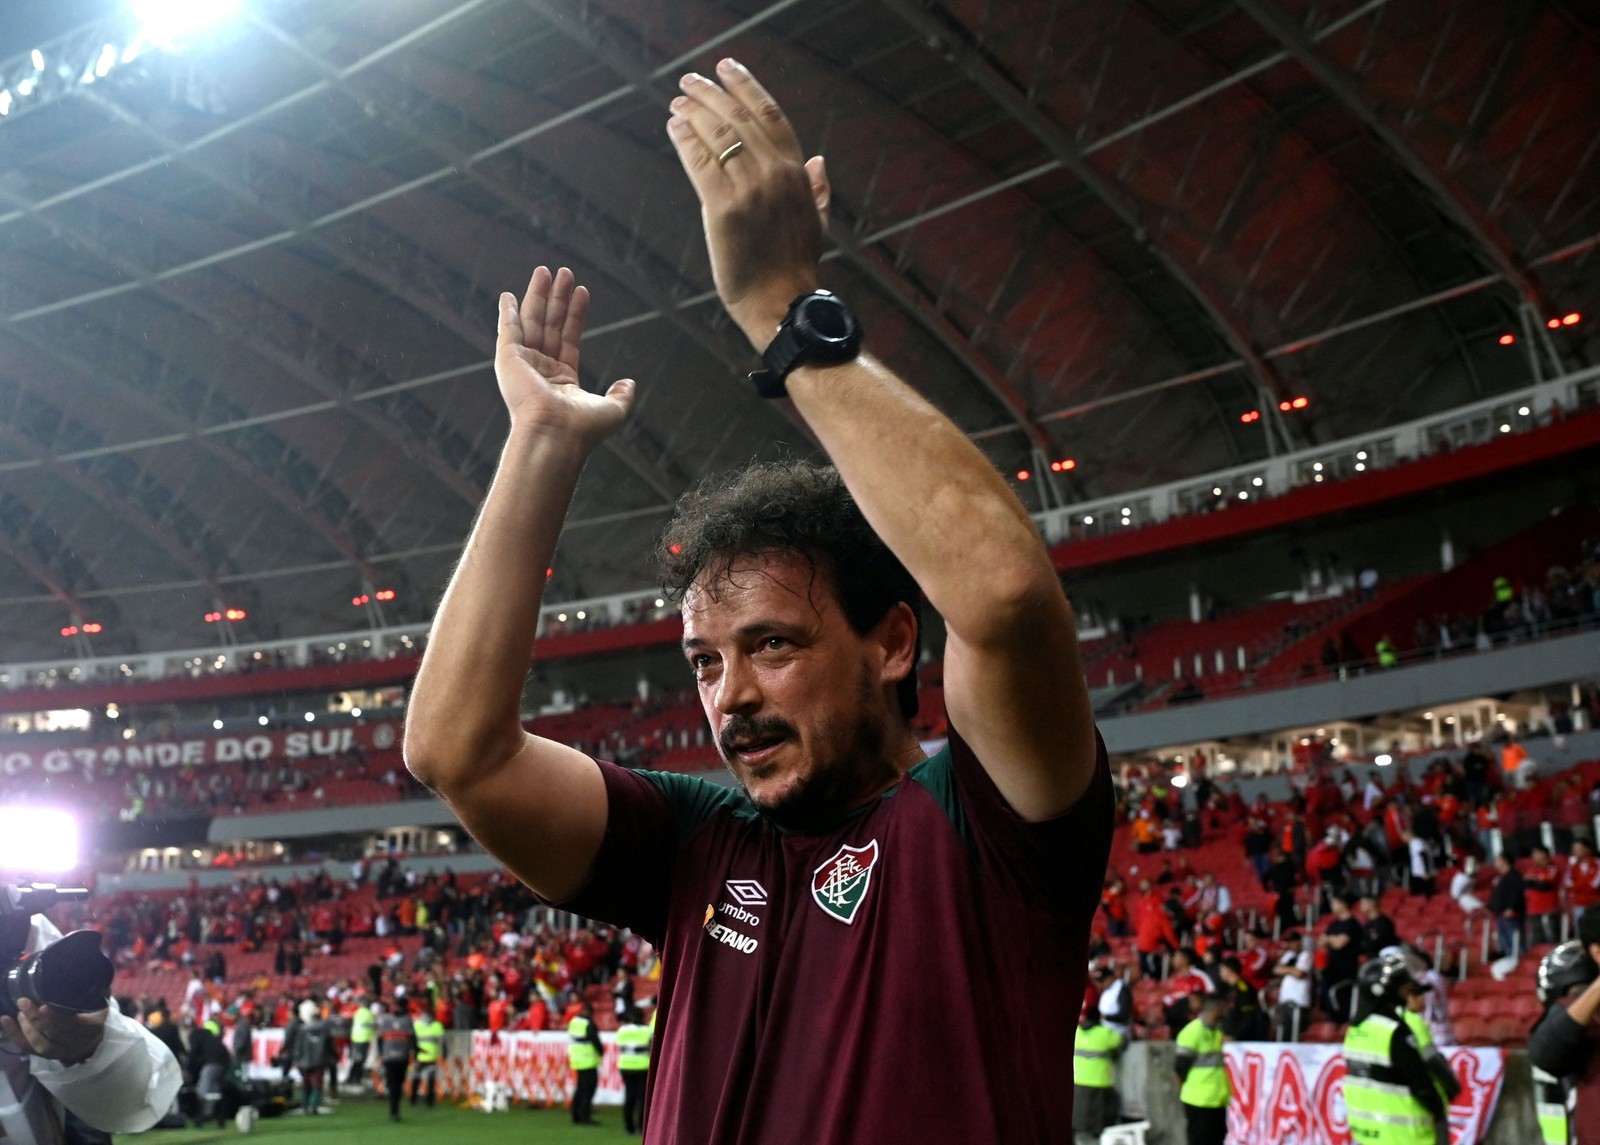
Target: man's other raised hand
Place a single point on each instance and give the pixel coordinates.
(761, 202)
(536, 364)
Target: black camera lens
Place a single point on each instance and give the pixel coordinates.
(72, 974)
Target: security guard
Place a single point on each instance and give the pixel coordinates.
(583, 1055)
(1444, 1078)
(633, 1062)
(1562, 1044)
(1389, 1092)
(363, 1025)
(396, 1041)
(1094, 1075)
(1205, 1092)
(430, 1052)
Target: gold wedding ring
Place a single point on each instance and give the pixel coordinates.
(733, 149)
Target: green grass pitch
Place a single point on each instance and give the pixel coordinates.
(363, 1120)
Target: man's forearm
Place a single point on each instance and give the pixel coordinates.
(465, 710)
(1584, 1007)
(931, 494)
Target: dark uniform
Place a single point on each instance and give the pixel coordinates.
(396, 1040)
(583, 1055)
(633, 1063)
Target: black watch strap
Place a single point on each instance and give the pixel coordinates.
(777, 360)
(790, 347)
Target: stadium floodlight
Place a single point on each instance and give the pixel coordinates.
(37, 840)
(166, 22)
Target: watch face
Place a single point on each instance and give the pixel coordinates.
(827, 318)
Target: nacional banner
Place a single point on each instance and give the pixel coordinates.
(533, 1064)
(1293, 1094)
(301, 743)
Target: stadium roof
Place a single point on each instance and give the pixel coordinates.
(247, 279)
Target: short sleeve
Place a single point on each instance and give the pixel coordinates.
(1059, 863)
(648, 816)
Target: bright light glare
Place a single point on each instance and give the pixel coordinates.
(1180, 780)
(1383, 760)
(167, 21)
(37, 840)
(38, 59)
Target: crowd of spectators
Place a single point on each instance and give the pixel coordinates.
(1514, 857)
(479, 956)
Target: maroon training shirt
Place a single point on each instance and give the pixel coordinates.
(912, 975)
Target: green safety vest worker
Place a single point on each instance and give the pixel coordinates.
(362, 1025)
(1386, 655)
(1431, 1057)
(1382, 1109)
(430, 1040)
(1205, 1086)
(633, 1047)
(213, 1025)
(1503, 592)
(581, 1054)
(1550, 1104)
(1093, 1055)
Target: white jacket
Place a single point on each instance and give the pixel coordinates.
(126, 1087)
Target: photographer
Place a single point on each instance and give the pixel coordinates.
(104, 1067)
(1564, 1047)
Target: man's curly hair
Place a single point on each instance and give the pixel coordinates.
(798, 507)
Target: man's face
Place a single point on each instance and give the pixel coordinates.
(799, 704)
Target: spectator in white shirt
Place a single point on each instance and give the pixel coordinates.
(1293, 972)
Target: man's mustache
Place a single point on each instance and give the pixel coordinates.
(752, 729)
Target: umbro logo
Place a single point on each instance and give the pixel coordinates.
(747, 892)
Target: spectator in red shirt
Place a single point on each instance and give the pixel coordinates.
(1114, 901)
(1152, 930)
(1542, 878)
(1254, 961)
(1182, 992)
(1583, 878)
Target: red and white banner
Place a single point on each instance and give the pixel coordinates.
(1294, 1094)
(533, 1064)
(202, 751)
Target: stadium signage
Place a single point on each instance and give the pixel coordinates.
(199, 751)
(1295, 1093)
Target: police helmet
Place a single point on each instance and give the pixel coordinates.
(1566, 966)
(1382, 979)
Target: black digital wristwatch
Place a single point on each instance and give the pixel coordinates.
(819, 328)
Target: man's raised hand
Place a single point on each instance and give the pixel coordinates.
(761, 204)
(536, 363)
